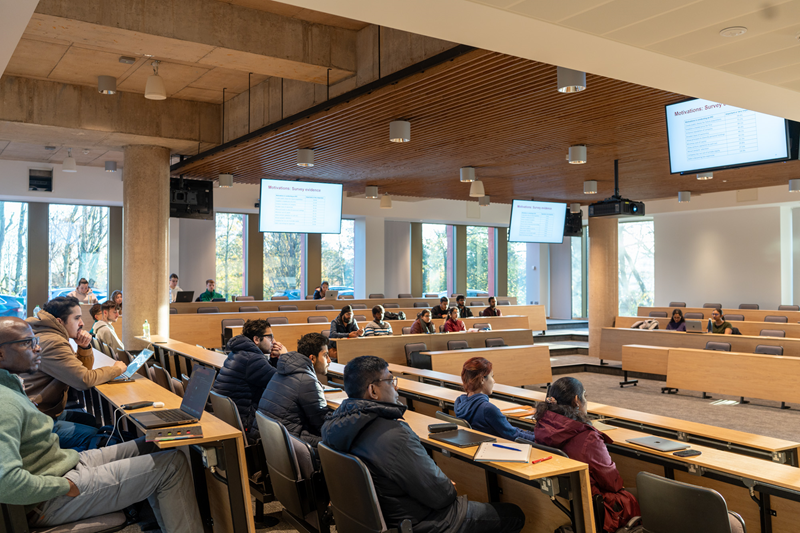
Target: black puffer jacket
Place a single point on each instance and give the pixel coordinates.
(294, 398)
(244, 376)
(408, 482)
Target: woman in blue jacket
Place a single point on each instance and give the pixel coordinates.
(474, 406)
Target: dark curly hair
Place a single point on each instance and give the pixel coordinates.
(311, 344)
(255, 328)
(563, 391)
(61, 307)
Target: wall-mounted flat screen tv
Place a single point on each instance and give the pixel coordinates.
(300, 207)
(541, 222)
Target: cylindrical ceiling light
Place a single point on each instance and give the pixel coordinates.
(577, 154)
(575, 208)
(484, 200)
(467, 174)
(386, 201)
(111, 166)
(590, 187)
(400, 131)
(476, 189)
(106, 84)
(69, 163)
(226, 181)
(684, 196)
(155, 90)
(705, 176)
(794, 185)
(305, 157)
(371, 191)
(571, 81)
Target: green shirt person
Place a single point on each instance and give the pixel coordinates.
(718, 323)
(210, 294)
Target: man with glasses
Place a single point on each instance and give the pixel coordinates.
(409, 483)
(59, 485)
(247, 371)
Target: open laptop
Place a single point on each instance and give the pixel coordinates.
(659, 444)
(331, 295)
(461, 438)
(184, 296)
(192, 406)
(694, 326)
(136, 364)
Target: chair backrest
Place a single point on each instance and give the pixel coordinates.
(718, 346)
(245, 298)
(287, 308)
(404, 295)
(162, 377)
(391, 306)
(407, 330)
(359, 306)
(542, 447)
(177, 386)
(275, 320)
(325, 307)
(494, 342)
(677, 304)
(431, 295)
(225, 409)
(476, 303)
(326, 333)
(185, 381)
(414, 359)
(766, 349)
(668, 505)
(482, 326)
(748, 306)
(420, 304)
(231, 322)
(346, 297)
(712, 306)
(452, 419)
(789, 308)
(125, 357)
(317, 320)
(503, 302)
(658, 314)
(376, 295)
(309, 296)
(208, 309)
(354, 500)
(279, 298)
(772, 333)
(457, 345)
(173, 311)
(360, 318)
(735, 318)
(441, 328)
(776, 318)
(249, 309)
(95, 344)
(693, 316)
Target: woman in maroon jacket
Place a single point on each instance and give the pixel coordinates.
(563, 422)
(453, 324)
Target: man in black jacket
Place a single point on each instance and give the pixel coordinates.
(463, 310)
(408, 482)
(440, 311)
(294, 395)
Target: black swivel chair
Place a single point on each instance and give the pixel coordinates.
(415, 359)
(226, 333)
(457, 345)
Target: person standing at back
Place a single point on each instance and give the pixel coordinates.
(173, 287)
(492, 310)
(319, 294)
(210, 294)
(83, 293)
(104, 329)
(463, 310)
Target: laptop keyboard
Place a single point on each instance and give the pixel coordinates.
(172, 415)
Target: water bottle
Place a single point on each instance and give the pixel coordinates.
(709, 325)
(36, 311)
(146, 330)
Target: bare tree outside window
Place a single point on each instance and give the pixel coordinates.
(636, 266)
(13, 258)
(230, 253)
(434, 258)
(78, 248)
(338, 256)
(478, 257)
(517, 271)
(576, 249)
(283, 257)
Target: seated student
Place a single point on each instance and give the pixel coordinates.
(246, 371)
(173, 287)
(474, 406)
(210, 294)
(103, 328)
(492, 310)
(345, 326)
(319, 293)
(562, 422)
(116, 297)
(453, 324)
(678, 323)
(410, 486)
(440, 311)
(718, 323)
(57, 486)
(294, 395)
(96, 312)
(463, 310)
(423, 323)
(83, 293)
(377, 327)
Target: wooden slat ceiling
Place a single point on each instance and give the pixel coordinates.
(500, 114)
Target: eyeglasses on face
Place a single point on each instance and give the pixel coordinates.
(392, 380)
(29, 342)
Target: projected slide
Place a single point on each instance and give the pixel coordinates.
(537, 222)
(706, 135)
(300, 207)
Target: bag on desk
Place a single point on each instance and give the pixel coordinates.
(645, 324)
(388, 315)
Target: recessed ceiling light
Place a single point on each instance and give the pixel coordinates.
(733, 31)
(127, 60)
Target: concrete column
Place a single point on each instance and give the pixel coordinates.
(114, 249)
(461, 260)
(145, 202)
(416, 259)
(603, 279)
(38, 255)
(255, 259)
(501, 258)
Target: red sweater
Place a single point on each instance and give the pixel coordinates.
(454, 325)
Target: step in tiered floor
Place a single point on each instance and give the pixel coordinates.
(565, 337)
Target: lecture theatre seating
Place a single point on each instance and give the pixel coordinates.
(677, 304)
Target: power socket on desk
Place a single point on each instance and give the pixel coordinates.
(167, 433)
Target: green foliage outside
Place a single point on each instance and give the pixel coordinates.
(338, 256)
(636, 266)
(478, 258)
(282, 261)
(517, 271)
(434, 258)
(230, 254)
(78, 246)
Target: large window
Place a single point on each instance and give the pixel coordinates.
(338, 258)
(577, 248)
(230, 253)
(480, 259)
(636, 266)
(434, 258)
(518, 271)
(13, 258)
(78, 249)
(283, 260)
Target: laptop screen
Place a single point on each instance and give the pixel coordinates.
(137, 363)
(196, 395)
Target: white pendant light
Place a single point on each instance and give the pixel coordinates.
(371, 191)
(476, 189)
(226, 181)
(386, 201)
(590, 187)
(106, 84)
(69, 163)
(684, 196)
(571, 81)
(400, 131)
(111, 166)
(155, 90)
(794, 185)
(484, 200)
(577, 154)
(467, 174)
(305, 157)
(575, 208)
(703, 176)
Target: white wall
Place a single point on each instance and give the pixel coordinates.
(561, 280)
(197, 254)
(397, 257)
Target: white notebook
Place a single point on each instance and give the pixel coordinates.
(490, 452)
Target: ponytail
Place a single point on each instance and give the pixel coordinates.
(561, 398)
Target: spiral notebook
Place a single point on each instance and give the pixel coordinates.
(512, 452)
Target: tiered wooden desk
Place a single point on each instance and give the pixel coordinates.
(512, 365)
(752, 329)
(751, 315)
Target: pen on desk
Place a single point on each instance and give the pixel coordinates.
(506, 447)
(541, 460)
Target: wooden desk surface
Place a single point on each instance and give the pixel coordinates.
(643, 358)
(512, 365)
(747, 328)
(310, 305)
(752, 315)
(201, 355)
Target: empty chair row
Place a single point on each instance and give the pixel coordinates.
(762, 349)
(741, 306)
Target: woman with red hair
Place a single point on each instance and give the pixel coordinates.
(475, 407)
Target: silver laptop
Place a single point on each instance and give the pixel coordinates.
(694, 326)
(331, 295)
(135, 365)
(660, 444)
